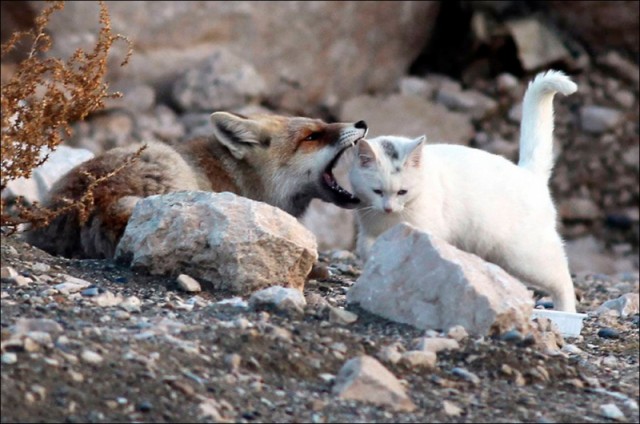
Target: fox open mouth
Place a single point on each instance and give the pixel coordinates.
(340, 196)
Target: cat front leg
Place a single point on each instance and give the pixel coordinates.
(364, 244)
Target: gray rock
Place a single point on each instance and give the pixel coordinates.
(409, 116)
(622, 67)
(332, 55)
(419, 359)
(611, 411)
(436, 344)
(91, 357)
(598, 119)
(365, 379)
(72, 285)
(333, 227)
(285, 299)
(235, 243)
(466, 375)
(340, 316)
(188, 284)
(473, 102)
(426, 280)
(223, 81)
(414, 86)
(538, 46)
(625, 305)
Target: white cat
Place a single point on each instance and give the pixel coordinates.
(479, 202)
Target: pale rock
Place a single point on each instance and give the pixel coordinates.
(611, 411)
(436, 344)
(390, 353)
(60, 161)
(188, 284)
(341, 316)
(599, 119)
(104, 131)
(538, 46)
(9, 358)
(223, 81)
(414, 86)
(162, 124)
(91, 357)
(410, 116)
(466, 375)
(365, 379)
(620, 65)
(624, 305)
(428, 283)
(515, 113)
(507, 83)
(284, 299)
(7, 272)
(137, 98)
(576, 208)
(469, 101)
(71, 285)
(451, 409)
(233, 242)
(333, 227)
(419, 359)
(131, 304)
(107, 299)
(458, 333)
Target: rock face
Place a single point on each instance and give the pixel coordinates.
(306, 51)
(365, 379)
(235, 243)
(409, 116)
(430, 284)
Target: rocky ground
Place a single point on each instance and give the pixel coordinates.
(132, 347)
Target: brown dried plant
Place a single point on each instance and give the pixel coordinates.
(39, 103)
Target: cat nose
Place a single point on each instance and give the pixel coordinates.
(388, 210)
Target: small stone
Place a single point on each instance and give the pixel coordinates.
(71, 285)
(76, 376)
(40, 268)
(597, 119)
(107, 299)
(130, 304)
(611, 411)
(91, 357)
(233, 361)
(466, 375)
(341, 316)
(544, 304)
(390, 353)
(457, 332)
(610, 361)
(608, 333)
(451, 409)
(9, 358)
(188, 284)
(121, 315)
(512, 336)
(7, 272)
(283, 299)
(436, 344)
(145, 406)
(419, 359)
(90, 292)
(506, 83)
(625, 305)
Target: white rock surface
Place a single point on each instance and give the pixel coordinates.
(44, 176)
(365, 379)
(430, 284)
(235, 243)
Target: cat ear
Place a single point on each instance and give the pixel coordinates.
(366, 154)
(415, 151)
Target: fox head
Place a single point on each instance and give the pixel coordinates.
(292, 156)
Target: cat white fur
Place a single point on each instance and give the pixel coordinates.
(479, 202)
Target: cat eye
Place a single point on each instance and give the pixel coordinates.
(313, 136)
(378, 192)
(402, 192)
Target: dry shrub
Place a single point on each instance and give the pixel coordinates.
(40, 102)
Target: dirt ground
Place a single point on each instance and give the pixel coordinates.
(180, 358)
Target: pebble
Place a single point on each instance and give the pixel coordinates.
(608, 333)
(511, 336)
(598, 119)
(91, 291)
(7, 272)
(341, 316)
(457, 332)
(130, 304)
(466, 375)
(91, 357)
(145, 406)
(40, 268)
(121, 315)
(188, 284)
(451, 409)
(9, 358)
(544, 304)
(611, 411)
(419, 359)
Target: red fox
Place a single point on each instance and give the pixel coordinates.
(282, 161)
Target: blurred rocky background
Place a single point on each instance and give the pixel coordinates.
(455, 71)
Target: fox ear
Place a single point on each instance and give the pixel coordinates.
(414, 149)
(237, 133)
(366, 155)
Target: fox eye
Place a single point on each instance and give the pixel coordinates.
(313, 136)
(378, 192)
(402, 192)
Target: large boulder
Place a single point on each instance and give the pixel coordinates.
(307, 52)
(235, 243)
(429, 284)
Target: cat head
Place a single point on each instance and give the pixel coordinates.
(385, 172)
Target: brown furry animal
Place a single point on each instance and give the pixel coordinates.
(283, 161)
